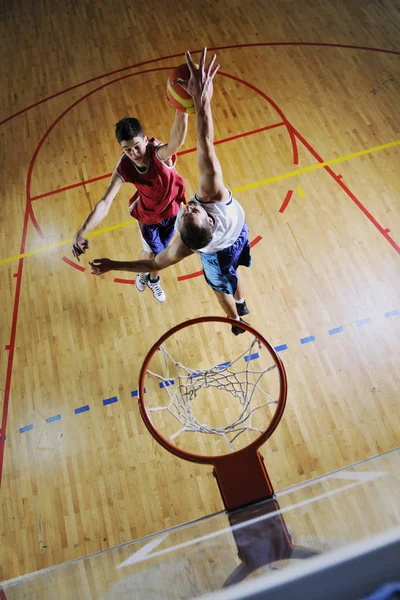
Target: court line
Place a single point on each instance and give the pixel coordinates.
(238, 190)
(286, 201)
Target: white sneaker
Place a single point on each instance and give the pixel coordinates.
(141, 281)
(157, 290)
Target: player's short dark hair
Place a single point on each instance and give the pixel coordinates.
(128, 128)
(196, 236)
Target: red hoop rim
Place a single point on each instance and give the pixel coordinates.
(197, 458)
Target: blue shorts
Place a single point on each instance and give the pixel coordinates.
(156, 238)
(220, 267)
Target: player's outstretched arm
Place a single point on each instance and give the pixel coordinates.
(176, 138)
(211, 185)
(80, 244)
(176, 252)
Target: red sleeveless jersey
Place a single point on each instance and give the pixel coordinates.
(160, 189)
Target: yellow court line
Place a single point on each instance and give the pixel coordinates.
(315, 167)
(250, 186)
(300, 192)
(65, 242)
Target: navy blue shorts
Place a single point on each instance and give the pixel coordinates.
(156, 238)
(220, 267)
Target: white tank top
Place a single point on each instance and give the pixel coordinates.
(228, 223)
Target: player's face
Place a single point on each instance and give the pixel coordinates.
(136, 150)
(195, 213)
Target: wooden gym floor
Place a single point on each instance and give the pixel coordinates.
(306, 110)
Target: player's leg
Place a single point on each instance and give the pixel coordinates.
(143, 255)
(154, 239)
(241, 305)
(228, 304)
(162, 234)
(223, 280)
(229, 261)
(152, 246)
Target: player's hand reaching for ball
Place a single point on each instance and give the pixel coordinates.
(79, 245)
(199, 86)
(101, 265)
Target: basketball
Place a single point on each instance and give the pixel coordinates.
(176, 95)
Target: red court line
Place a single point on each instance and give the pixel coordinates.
(34, 221)
(339, 181)
(199, 273)
(130, 281)
(255, 241)
(10, 361)
(11, 350)
(190, 276)
(239, 135)
(286, 201)
(72, 264)
(294, 146)
(189, 151)
(72, 186)
(214, 49)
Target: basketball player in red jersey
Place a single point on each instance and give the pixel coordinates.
(150, 166)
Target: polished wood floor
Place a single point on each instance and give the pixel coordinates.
(301, 84)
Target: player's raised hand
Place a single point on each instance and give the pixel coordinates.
(101, 265)
(199, 85)
(79, 245)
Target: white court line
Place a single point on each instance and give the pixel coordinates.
(360, 477)
(144, 551)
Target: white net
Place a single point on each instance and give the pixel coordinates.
(183, 385)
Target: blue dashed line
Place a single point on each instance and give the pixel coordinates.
(166, 383)
(110, 400)
(223, 365)
(336, 330)
(306, 340)
(136, 393)
(26, 428)
(281, 348)
(82, 409)
(251, 357)
(52, 419)
(363, 322)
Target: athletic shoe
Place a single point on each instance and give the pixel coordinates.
(141, 281)
(237, 330)
(157, 290)
(242, 309)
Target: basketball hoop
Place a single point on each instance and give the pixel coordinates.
(189, 376)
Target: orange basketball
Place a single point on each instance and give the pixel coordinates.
(176, 95)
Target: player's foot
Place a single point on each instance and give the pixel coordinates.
(237, 330)
(157, 290)
(141, 281)
(242, 309)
